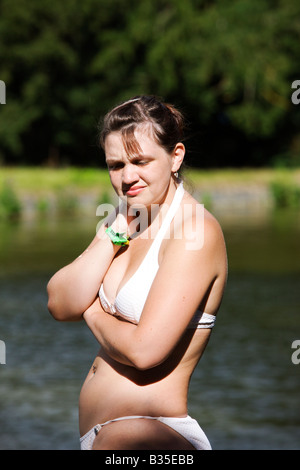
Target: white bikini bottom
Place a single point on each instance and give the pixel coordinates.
(187, 427)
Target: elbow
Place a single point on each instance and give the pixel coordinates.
(52, 303)
(60, 314)
(54, 306)
(59, 308)
(54, 310)
(144, 360)
(145, 353)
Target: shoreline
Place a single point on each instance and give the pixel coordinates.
(79, 191)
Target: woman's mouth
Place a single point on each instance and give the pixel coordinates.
(134, 190)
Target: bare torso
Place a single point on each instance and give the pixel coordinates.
(112, 390)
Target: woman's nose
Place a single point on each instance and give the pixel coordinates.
(130, 174)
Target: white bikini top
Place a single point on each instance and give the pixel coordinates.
(131, 298)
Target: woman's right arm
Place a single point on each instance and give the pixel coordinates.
(74, 287)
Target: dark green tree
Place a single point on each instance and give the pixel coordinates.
(229, 64)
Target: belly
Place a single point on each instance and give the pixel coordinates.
(112, 390)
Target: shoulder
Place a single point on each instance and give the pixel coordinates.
(196, 243)
(194, 227)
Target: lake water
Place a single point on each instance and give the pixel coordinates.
(245, 391)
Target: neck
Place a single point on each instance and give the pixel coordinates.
(141, 219)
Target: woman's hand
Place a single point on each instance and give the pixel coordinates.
(132, 221)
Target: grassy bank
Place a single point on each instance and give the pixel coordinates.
(41, 189)
(41, 179)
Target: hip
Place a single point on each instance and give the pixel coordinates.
(108, 394)
(185, 427)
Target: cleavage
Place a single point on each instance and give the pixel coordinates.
(123, 267)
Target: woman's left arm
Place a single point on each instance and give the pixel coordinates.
(114, 335)
(183, 282)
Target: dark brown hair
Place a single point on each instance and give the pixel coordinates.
(165, 121)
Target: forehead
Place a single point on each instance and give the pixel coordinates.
(115, 147)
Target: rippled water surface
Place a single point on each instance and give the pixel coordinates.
(245, 391)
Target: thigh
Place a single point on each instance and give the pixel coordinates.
(139, 434)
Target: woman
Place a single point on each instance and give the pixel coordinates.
(142, 287)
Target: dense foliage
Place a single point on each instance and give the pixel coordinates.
(228, 64)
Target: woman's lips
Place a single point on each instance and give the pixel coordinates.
(134, 190)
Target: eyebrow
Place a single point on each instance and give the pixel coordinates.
(140, 157)
(134, 158)
(111, 159)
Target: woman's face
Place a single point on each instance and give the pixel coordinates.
(141, 179)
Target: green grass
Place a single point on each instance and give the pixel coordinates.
(40, 179)
(264, 176)
(10, 205)
(48, 188)
(67, 185)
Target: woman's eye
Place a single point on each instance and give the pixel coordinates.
(114, 166)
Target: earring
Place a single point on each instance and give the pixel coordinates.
(175, 174)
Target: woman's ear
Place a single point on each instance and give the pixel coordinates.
(178, 156)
